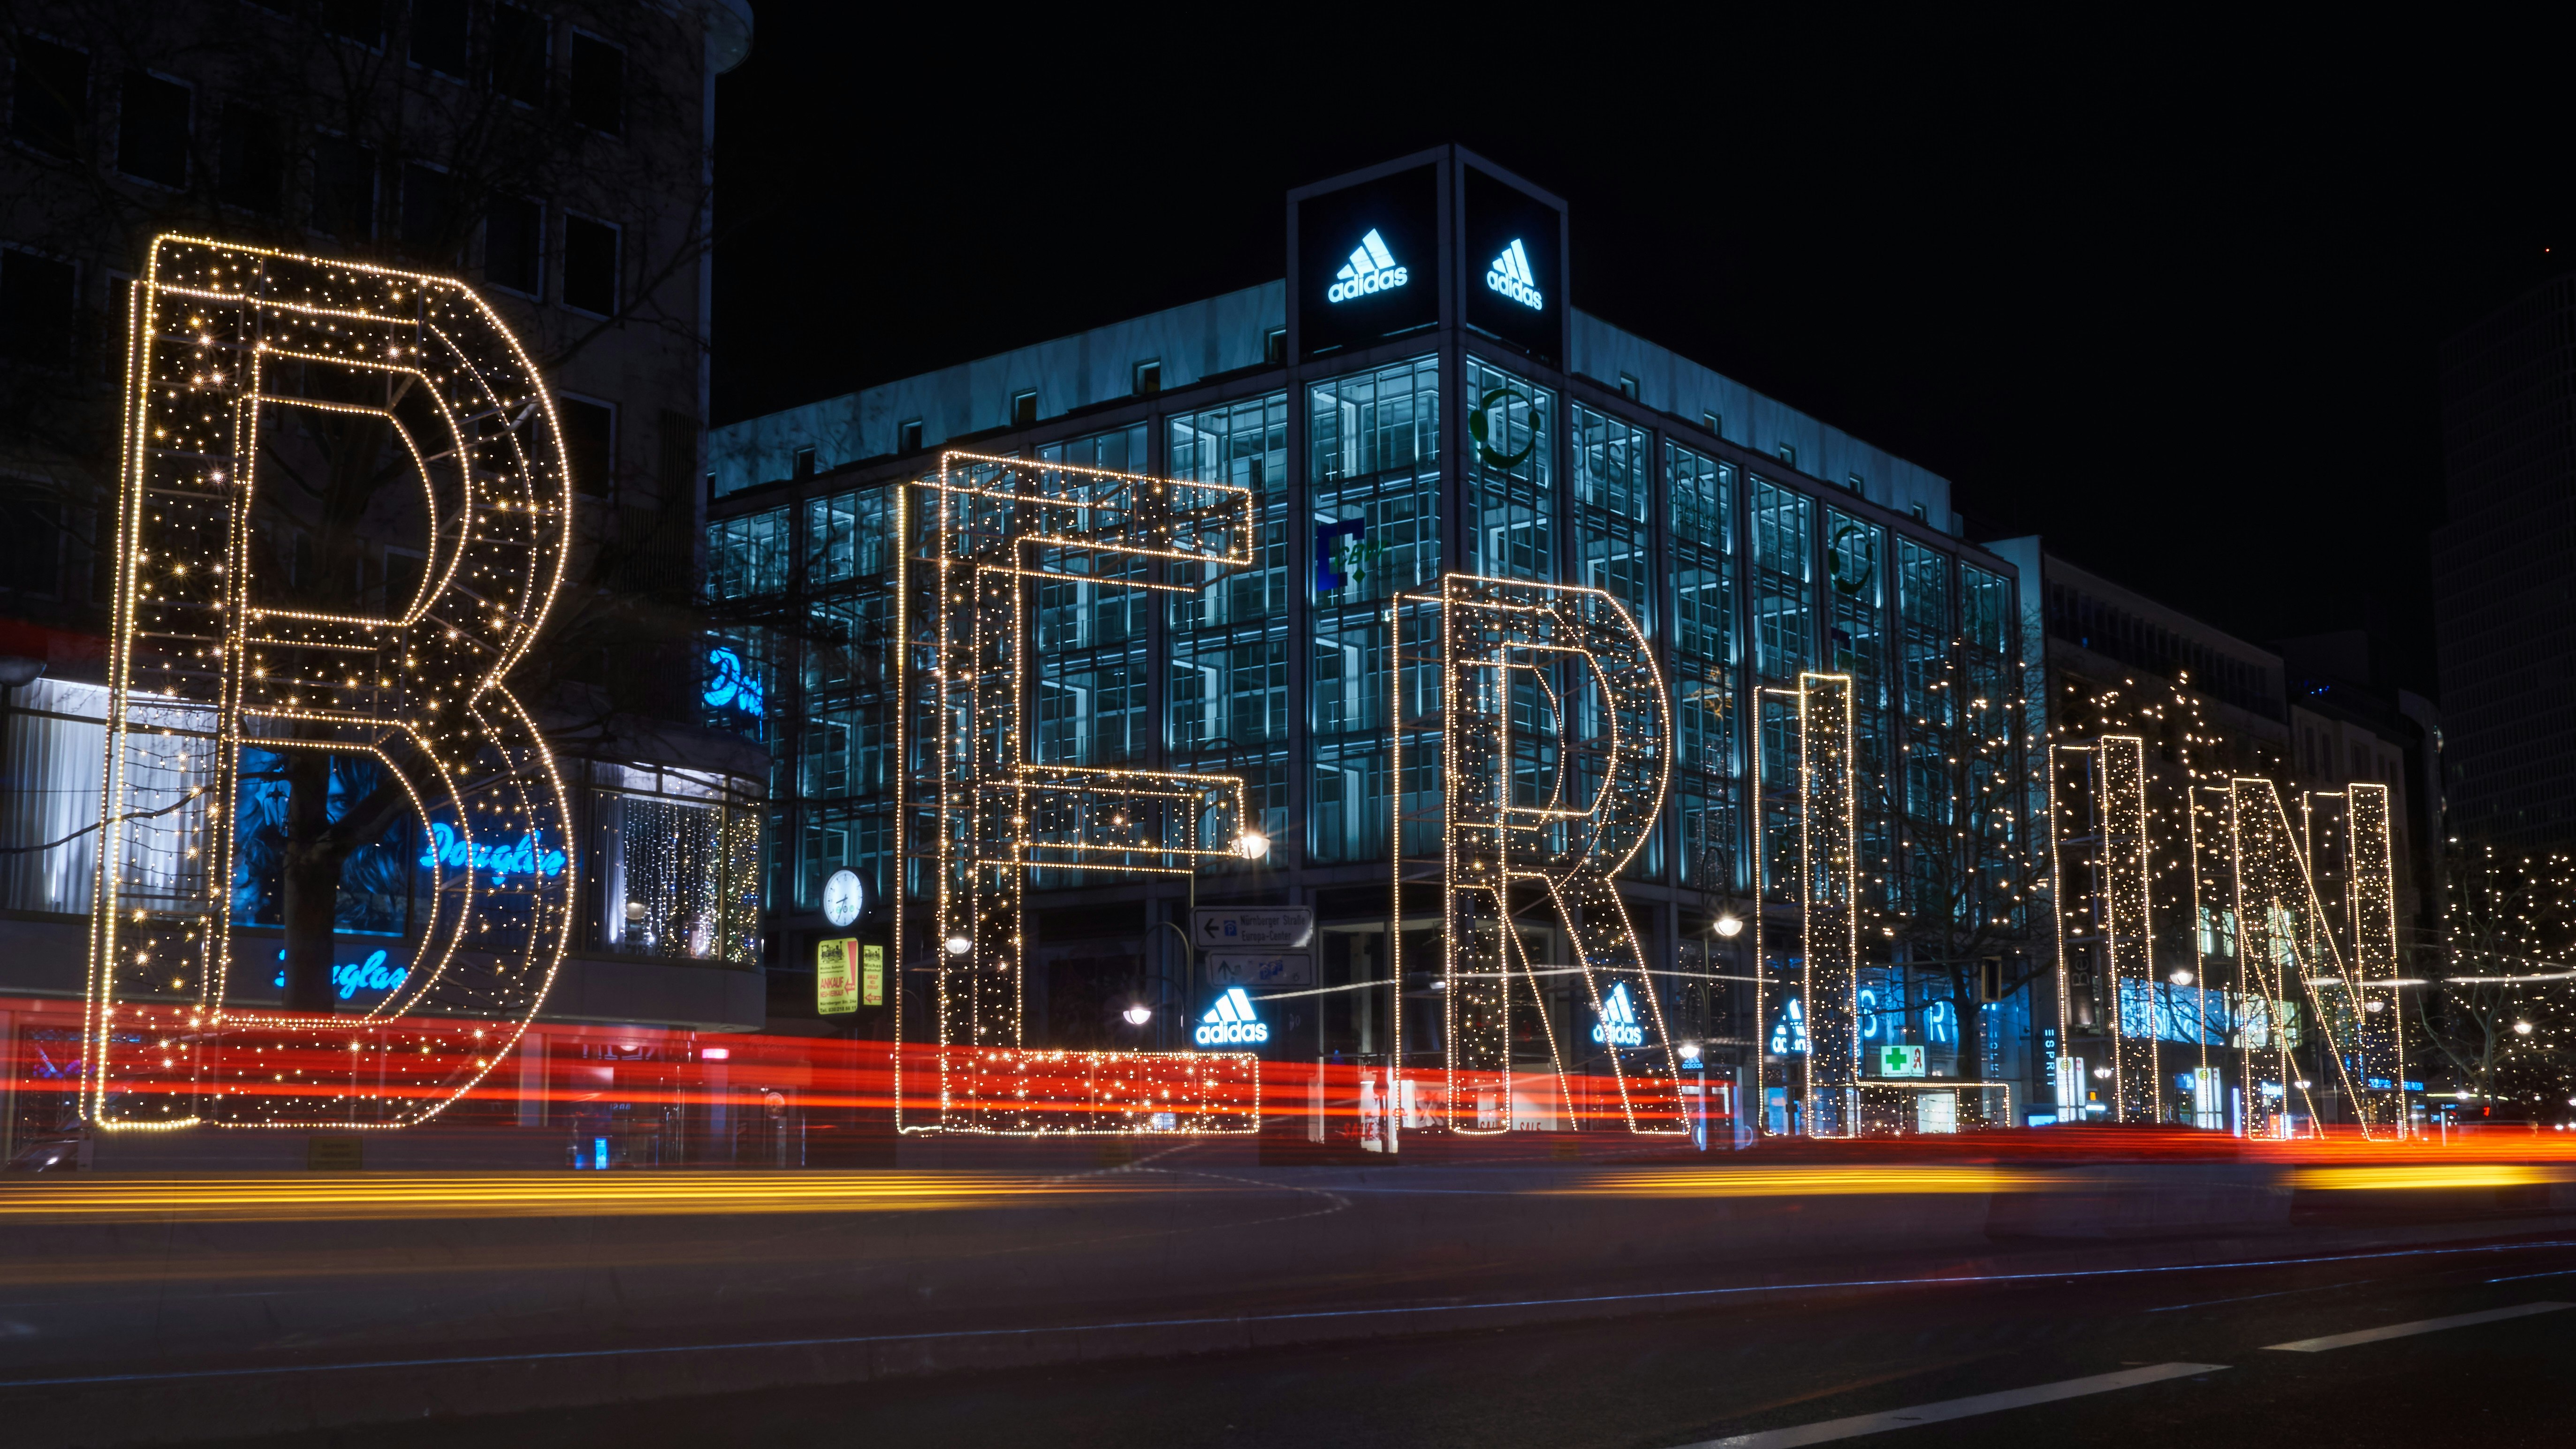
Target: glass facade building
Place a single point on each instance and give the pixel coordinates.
(1382, 454)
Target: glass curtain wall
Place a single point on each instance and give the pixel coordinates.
(1708, 761)
(1855, 566)
(1856, 644)
(1373, 499)
(1613, 464)
(843, 726)
(1091, 616)
(1781, 531)
(1993, 825)
(1226, 671)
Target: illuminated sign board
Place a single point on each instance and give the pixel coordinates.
(730, 683)
(1365, 256)
(1618, 1025)
(1514, 262)
(1343, 554)
(1789, 1033)
(1231, 1022)
(372, 974)
(527, 855)
(836, 976)
(1902, 1061)
(1372, 268)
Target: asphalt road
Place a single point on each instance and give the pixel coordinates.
(2181, 1358)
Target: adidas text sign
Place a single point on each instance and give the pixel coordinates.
(1371, 268)
(1230, 1022)
(1512, 276)
(1619, 1026)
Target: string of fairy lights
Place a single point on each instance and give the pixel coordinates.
(227, 345)
(1829, 904)
(1562, 643)
(998, 531)
(2223, 850)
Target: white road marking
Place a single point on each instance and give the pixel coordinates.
(1832, 1429)
(2403, 1330)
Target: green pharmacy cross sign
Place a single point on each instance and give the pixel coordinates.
(1901, 1061)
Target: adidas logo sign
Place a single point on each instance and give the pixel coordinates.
(1618, 1026)
(1230, 1022)
(1371, 268)
(1511, 276)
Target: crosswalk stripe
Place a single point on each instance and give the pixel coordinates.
(1967, 1408)
(2408, 1330)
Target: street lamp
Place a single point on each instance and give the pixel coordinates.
(2180, 978)
(959, 945)
(1138, 1014)
(1252, 845)
(1729, 926)
(2522, 1028)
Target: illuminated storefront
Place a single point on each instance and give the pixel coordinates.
(1417, 404)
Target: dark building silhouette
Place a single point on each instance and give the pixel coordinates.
(2504, 600)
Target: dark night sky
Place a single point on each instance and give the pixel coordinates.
(2168, 297)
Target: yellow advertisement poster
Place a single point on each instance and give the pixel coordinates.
(872, 977)
(836, 976)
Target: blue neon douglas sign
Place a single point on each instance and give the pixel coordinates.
(374, 975)
(729, 682)
(525, 856)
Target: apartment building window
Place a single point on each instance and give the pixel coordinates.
(590, 265)
(803, 465)
(1149, 378)
(112, 358)
(35, 308)
(48, 92)
(440, 30)
(1274, 347)
(360, 20)
(344, 189)
(907, 436)
(428, 200)
(590, 442)
(598, 84)
(250, 161)
(519, 54)
(401, 575)
(1024, 408)
(513, 256)
(31, 542)
(152, 129)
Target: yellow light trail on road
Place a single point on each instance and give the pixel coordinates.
(1811, 1182)
(299, 1199)
(2422, 1176)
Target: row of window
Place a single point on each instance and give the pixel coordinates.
(39, 294)
(51, 91)
(1375, 462)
